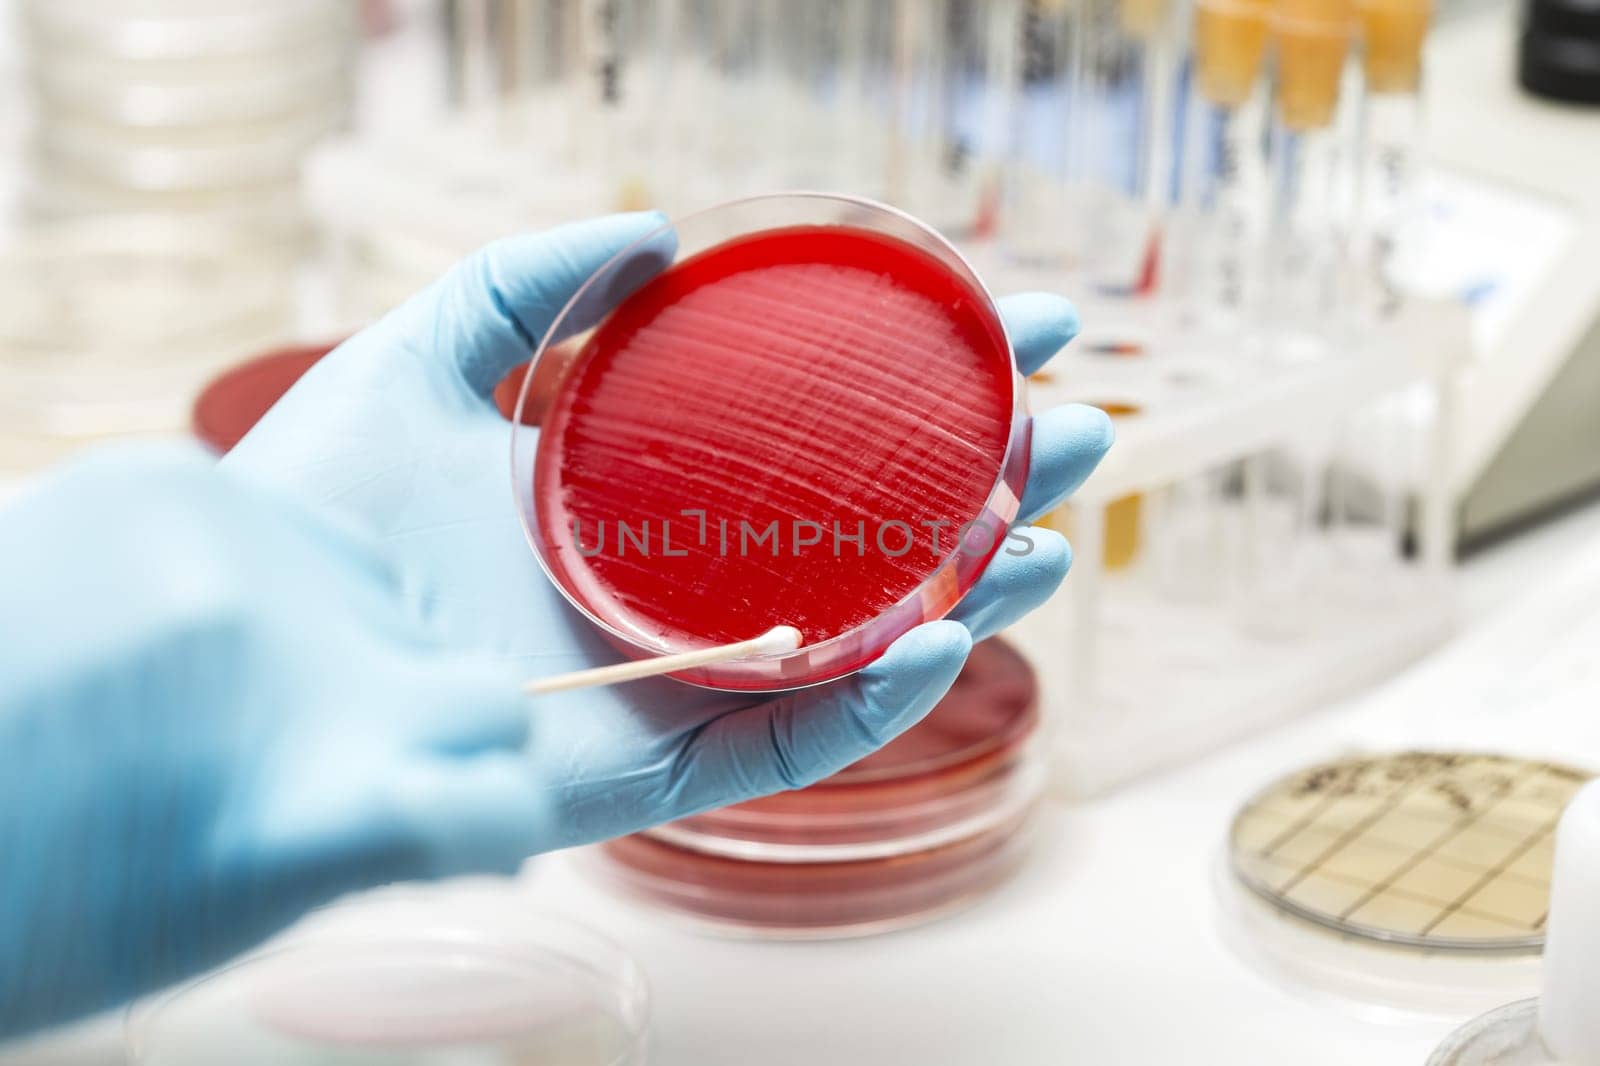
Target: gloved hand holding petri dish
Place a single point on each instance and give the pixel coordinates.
(794, 410)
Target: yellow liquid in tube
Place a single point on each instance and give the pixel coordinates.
(1122, 517)
(1230, 41)
(1313, 39)
(1392, 33)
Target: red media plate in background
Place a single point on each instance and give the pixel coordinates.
(234, 401)
(930, 821)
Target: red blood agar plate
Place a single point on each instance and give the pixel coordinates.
(788, 410)
(961, 769)
(234, 401)
(928, 823)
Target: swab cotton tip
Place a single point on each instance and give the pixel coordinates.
(778, 640)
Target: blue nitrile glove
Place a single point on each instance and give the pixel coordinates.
(217, 711)
(227, 695)
(395, 430)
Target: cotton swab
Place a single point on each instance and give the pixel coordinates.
(774, 641)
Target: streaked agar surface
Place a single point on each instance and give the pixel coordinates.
(775, 389)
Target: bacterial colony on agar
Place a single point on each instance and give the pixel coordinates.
(1429, 850)
(791, 426)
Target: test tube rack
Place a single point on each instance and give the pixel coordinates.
(1153, 665)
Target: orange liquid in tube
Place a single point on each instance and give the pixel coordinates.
(1230, 42)
(1313, 39)
(1392, 33)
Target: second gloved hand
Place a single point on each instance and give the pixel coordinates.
(216, 712)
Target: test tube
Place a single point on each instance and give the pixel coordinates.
(859, 109)
(1036, 223)
(1304, 248)
(1123, 119)
(1391, 127)
(1217, 228)
(607, 128)
(941, 165)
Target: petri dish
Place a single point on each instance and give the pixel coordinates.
(1440, 851)
(785, 900)
(1507, 1036)
(234, 401)
(539, 993)
(788, 410)
(110, 326)
(930, 822)
(295, 82)
(1398, 885)
(242, 155)
(181, 31)
(963, 769)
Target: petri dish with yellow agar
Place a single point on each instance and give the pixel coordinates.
(1420, 877)
(541, 993)
(788, 410)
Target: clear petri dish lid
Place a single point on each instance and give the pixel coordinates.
(156, 30)
(422, 988)
(308, 79)
(254, 154)
(108, 325)
(807, 403)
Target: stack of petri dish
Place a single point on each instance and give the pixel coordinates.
(109, 326)
(163, 225)
(204, 107)
(931, 822)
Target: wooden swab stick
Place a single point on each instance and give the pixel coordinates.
(773, 642)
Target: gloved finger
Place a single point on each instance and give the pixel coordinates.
(1029, 566)
(1039, 324)
(1068, 443)
(484, 814)
(798, 739)
(488, 313)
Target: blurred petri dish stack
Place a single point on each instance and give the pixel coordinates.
(162, 225)
(202, 108)
(931, 822)
(110, 325)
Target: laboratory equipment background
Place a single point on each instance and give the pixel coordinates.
(1338, 292)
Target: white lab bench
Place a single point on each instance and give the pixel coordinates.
(1108, 946)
